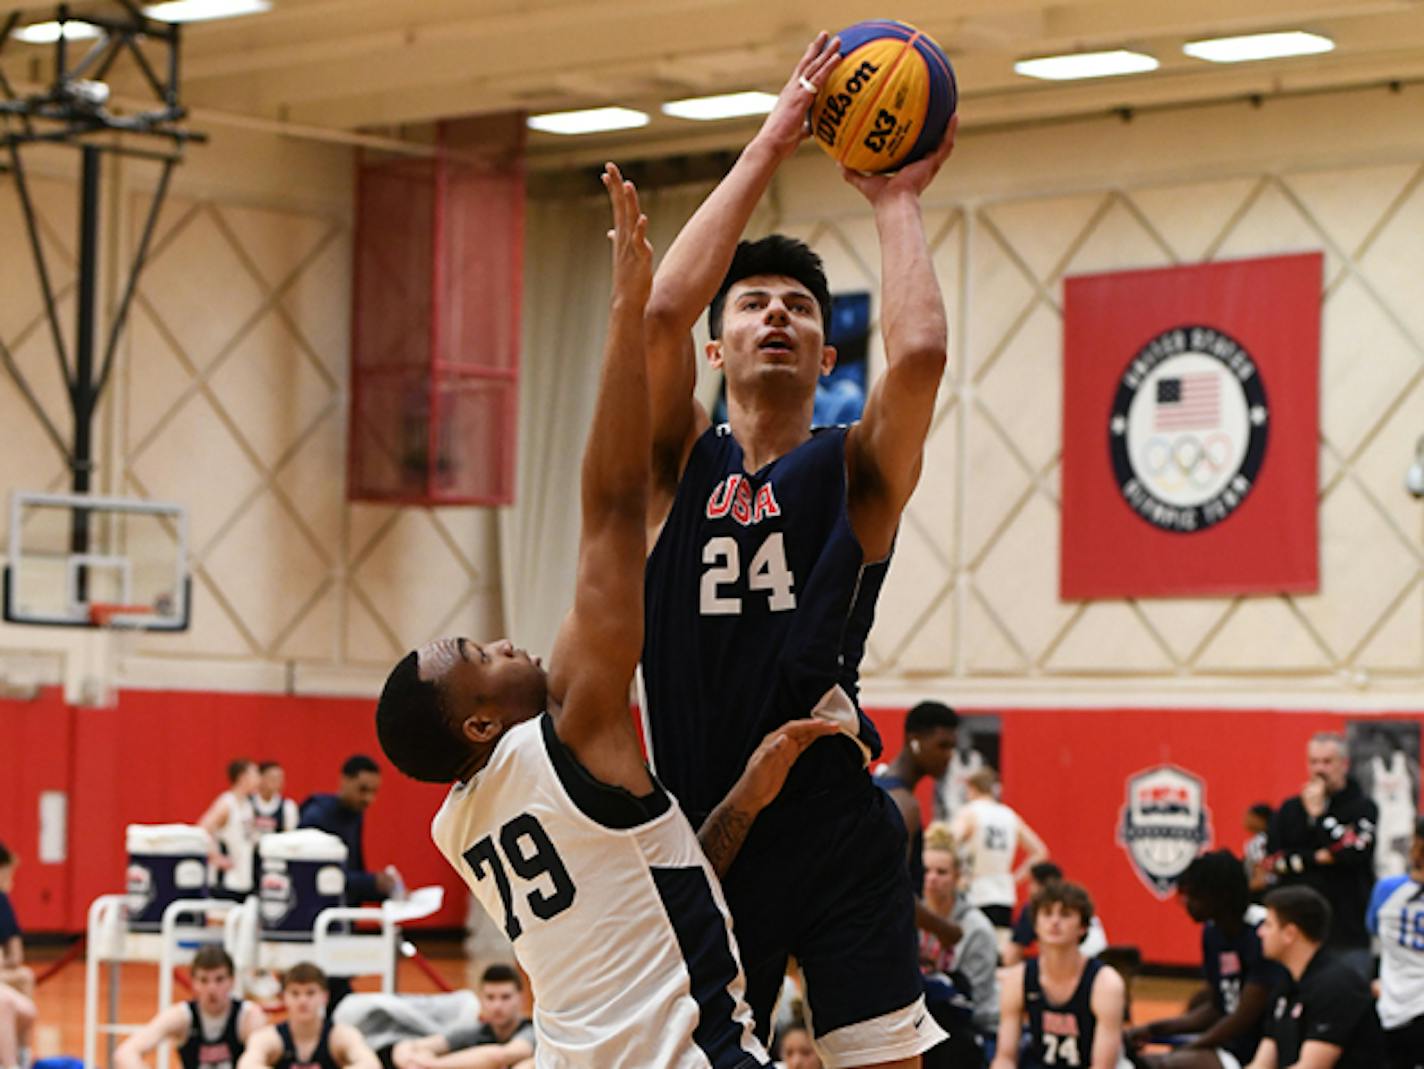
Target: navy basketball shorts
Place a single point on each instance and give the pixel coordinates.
(822, 878)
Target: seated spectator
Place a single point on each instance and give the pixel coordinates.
(307, 1039)
(1396, 917)
(1324, 1017)
(1039, 877)
(1071, 1005)
(229, 824)
(974, 957)
(797, 1051)
(1239, 979)
(503, 1038)
(209, 1030)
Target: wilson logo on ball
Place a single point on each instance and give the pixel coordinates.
(838, 105)
(888, 101)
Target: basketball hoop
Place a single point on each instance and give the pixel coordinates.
(115, 617)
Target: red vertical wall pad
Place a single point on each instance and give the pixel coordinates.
(1190, 430)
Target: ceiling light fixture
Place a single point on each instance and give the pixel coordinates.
(722, 106)
(47, 33)
(203, 10)
(1086, 65)
(588, 121)
(1259, 46)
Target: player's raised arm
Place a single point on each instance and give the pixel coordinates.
(886, 449)
(693, 268)
(600, 640)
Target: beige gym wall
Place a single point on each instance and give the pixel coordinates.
(232, 399)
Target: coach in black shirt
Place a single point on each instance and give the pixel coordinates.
(1323, 1016)
(1325, 839)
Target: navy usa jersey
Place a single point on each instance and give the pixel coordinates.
(757, 607)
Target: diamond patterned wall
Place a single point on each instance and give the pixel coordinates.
(974, 590)
(231, 398)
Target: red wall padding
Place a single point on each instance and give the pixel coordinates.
(34, 757)
(159, 757)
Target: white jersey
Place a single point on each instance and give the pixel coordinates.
(237, 836)
(1396, 915)
(990, 852)
(1393, 791)
(622, 929)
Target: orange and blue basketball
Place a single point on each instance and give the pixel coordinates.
(888, 101)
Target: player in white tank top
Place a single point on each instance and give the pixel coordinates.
(229, 821)
(991, 834)
(555, 822)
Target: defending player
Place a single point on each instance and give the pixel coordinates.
(556, 823)
(769, 546)
(308, 1038)
(209, 1030)
(1072, 1005)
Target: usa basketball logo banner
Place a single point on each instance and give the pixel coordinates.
(1164, 825)
(1190, 430)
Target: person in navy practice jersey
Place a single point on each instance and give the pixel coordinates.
(307, 1039)
(554, 821)
(344, 815)
(17, 982)
(1325, 838)
(1396, 916)
(271, 810)
(1226, 1026)
(930, 737)
(1323, 1017)
(769, 542)
(1071, 1006)
(209, 1031)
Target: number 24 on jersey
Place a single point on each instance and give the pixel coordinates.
(722, 581)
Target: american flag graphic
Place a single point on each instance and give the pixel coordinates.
(1188, 403)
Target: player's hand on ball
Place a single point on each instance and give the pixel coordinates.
(913, 178)
(785, 127)
(632, 252)
(767, 768)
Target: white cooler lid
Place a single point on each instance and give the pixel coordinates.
(304, 844)
(176, 840)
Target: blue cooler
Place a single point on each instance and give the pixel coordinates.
(303, 873)
(166, 862)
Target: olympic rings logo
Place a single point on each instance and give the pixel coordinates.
(1186, 461)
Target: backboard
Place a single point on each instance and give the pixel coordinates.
(83, 561)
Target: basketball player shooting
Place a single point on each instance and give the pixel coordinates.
(769, 545)
(554, 821)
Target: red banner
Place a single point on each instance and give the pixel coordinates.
(1190, 430)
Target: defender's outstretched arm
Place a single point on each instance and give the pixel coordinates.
(600, 640)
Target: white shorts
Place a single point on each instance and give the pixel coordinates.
(901, 1033)
(1227, 1059)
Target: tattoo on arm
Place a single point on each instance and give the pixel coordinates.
(722, 835)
